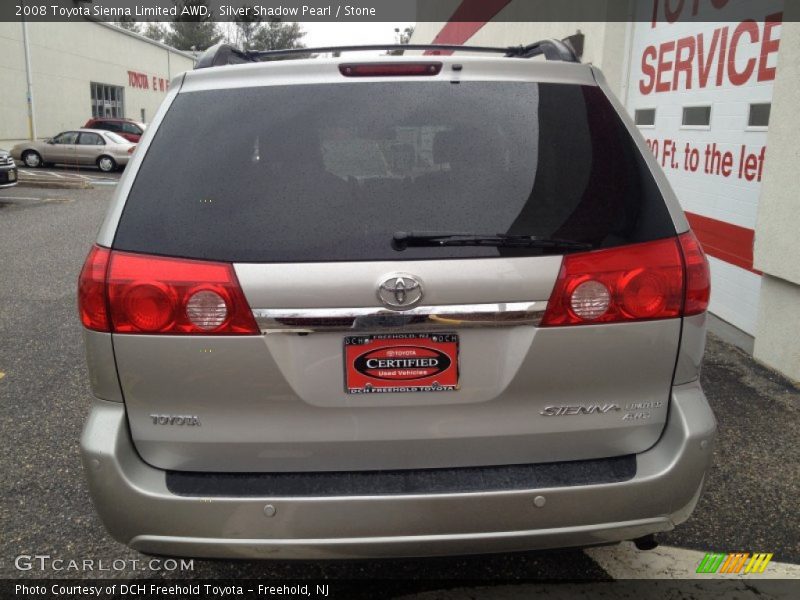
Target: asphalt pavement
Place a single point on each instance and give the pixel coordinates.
(750, 504)
(66, 176)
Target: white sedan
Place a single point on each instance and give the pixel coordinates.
(105, 149)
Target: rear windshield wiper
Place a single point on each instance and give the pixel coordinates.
(407, 239)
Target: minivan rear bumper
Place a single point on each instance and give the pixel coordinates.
(138, 509)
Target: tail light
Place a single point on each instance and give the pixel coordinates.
(698, 276)
(653, 280)
(122, 292)
(131, 149)
(92, 299)
(390, 69)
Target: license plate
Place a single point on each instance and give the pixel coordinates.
(12, 176)
(399, 362)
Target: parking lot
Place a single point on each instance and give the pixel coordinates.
(67, 176)
(750, 504)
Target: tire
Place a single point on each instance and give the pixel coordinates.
(106, 164)
(32, 159)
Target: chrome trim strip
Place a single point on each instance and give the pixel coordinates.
(421, 318)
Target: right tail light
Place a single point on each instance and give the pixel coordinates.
(698, 275)
(662, 279)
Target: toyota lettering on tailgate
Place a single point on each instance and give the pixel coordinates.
(401, 363)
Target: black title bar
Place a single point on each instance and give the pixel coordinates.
(456, 11)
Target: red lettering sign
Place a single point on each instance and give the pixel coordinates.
(673, 9)
(769, 45)
(741, 77)
(673, 63)
(138, 80)
(143, 81)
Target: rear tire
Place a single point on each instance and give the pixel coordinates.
(32, 159)
(106, 164)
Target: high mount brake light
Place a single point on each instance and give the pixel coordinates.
(390, 69)
(653, 280)
(121, 292)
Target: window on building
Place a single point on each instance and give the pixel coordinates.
(696, 116)
(143, 119)
(645, 117)
(107, 100)
(759, 115)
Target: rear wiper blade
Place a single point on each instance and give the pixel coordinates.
(407, 239)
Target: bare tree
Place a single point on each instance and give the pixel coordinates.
(251, 32)
(244, 30)
(155, 31)
(401, 37)
(128, 23)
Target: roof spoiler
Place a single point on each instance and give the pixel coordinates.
(225, 54)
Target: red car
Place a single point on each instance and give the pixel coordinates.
(129, 129)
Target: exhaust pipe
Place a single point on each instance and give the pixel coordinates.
(647, 542)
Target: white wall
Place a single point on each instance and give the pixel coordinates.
(65, 58)
(777, 252)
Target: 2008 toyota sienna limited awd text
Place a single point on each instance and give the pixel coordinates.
(393, 306)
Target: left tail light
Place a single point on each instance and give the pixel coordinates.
(92, 299)
(123, 292)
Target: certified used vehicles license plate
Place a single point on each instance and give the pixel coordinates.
(399, 362)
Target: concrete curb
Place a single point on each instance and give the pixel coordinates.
(59, 184)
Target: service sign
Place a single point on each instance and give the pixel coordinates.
(401, 363)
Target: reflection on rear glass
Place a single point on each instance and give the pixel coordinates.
(330, 172)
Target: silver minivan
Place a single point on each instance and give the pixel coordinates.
(393, 306)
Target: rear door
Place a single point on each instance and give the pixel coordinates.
(304, 198)
(88, 148)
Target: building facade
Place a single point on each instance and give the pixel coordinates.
(79, 70)
(712, 88)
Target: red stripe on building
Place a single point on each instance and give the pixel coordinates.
(467, 19)
(725, 241)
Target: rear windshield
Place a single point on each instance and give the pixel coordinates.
(330, 172)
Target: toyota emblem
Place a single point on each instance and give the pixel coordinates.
(400, 291)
